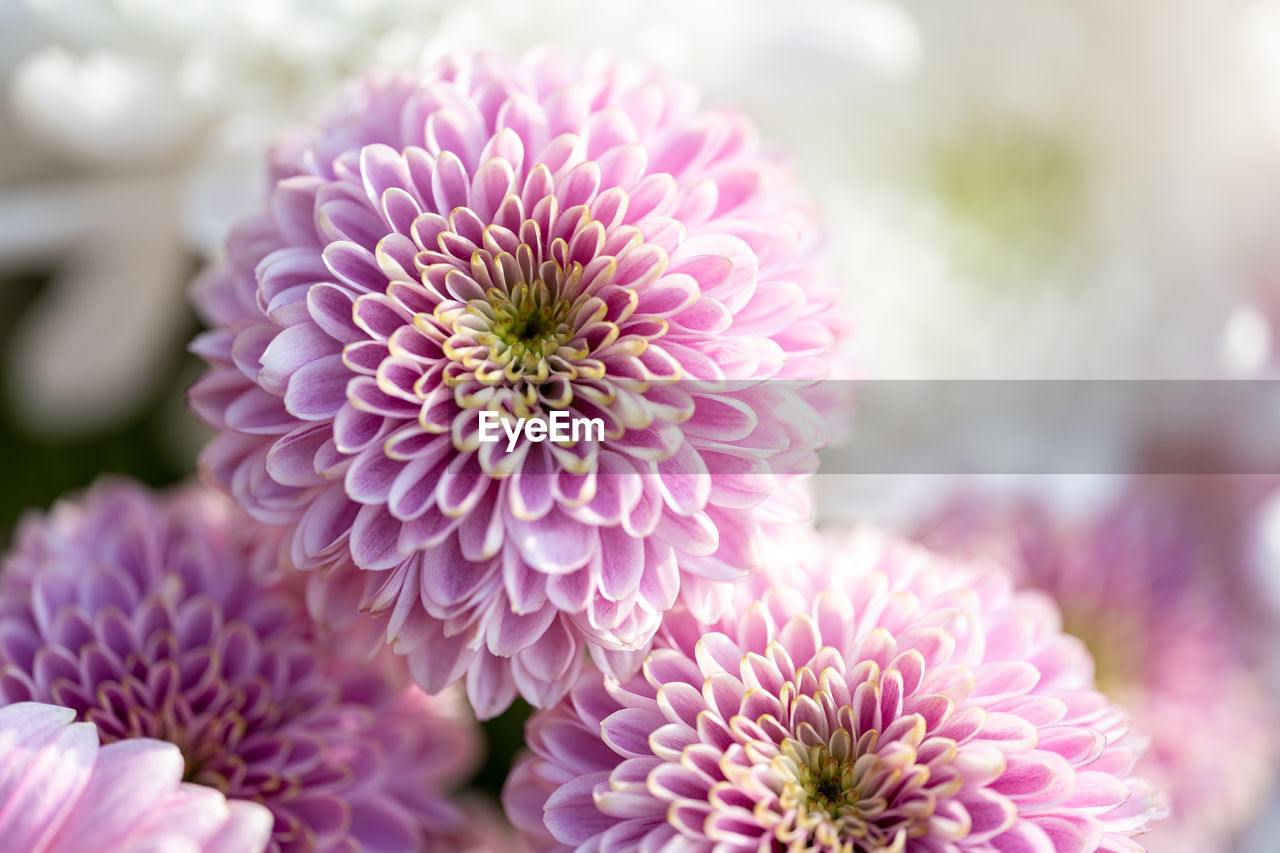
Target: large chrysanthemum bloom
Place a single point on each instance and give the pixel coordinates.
(522, 239)
(1136, 583)
(874, 698)
(150, 619)
(61, 791)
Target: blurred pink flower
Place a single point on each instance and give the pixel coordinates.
(521, 239)
(155, 618)
(60, 791)
(1143, 584)
(874, 697)
(486, 829)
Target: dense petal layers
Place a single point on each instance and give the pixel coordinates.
(163, 618)
(498, 244)
(870, 698)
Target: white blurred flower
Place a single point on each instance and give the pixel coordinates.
(1074, 188)
(1247, 346)
(1250, 342)
(166, 108)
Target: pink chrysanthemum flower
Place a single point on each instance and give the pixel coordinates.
(524, 239)
(60, 792)
(153, 619)
(1137, 584)
(875, 699)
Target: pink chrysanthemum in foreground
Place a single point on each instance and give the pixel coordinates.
(60, 792)
(523, 239)
(156, 618)
(1137, 583)
(875, 698)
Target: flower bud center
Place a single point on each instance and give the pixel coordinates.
(529, 325)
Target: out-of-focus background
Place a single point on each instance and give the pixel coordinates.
(1013, 189)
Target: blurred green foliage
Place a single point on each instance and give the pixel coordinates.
(1014, 198)
(35, 470)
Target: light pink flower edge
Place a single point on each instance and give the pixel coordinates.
(61, 791)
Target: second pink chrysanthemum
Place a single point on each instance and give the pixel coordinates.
(878, 699)
(522, 239)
